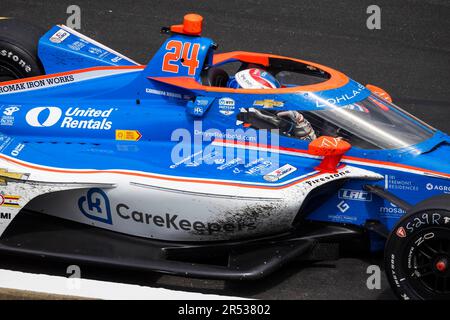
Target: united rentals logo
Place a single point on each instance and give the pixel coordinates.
(5, 176)
(74, 118)
(35, 119)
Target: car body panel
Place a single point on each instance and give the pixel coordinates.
(122, 125)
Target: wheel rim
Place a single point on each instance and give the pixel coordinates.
(430, 263)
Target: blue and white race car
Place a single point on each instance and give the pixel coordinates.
(212, 165)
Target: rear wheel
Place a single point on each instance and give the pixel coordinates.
(417, 255)
(18, 50)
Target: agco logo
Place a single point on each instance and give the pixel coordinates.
(43, 116)
(431, 187)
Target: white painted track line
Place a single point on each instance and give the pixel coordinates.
(94, 289)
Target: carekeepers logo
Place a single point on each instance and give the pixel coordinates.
(73, 118)
(95, 205)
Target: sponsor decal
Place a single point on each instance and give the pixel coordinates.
(35, 84)
(254, 162)
(5, 216)
(329, 142)
(77, 46)
(17, 149)
(5, 175)
(5, 141)
(342, 218)
(116, 59)
(268, 103)
(259, 167)
(231, 164)
(342, 99)
(401, 232)
(95, 51)
(208, 135)
(356, 195)
(128, 135)
(95, 205)
(394, 183)
(174, 222)
(280, 173)
(15, 58)
(33, 116)
(167, 94)
(435, 187)
(59, 36)
(9, 201)
(392, 212)
(198, 158)
(9, 111)
(343, 206)
(7, 118)
(226, 106)
(199, 106)
(186, 160)
(327, 178)
(74, 118)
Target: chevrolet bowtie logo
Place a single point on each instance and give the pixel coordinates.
(268, 103)
(5, 176)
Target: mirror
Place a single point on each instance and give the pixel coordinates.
(332, 149)
(379, 92)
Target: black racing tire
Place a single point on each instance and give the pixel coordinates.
(417, 253)
(18, 50)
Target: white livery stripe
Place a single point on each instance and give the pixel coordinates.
(94, 289)
(60, 79)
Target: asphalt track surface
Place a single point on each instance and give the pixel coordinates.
(409, 57)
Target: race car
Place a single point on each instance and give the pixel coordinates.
(211, 165)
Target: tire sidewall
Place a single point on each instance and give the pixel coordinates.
(411, 231)
(19, 60)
